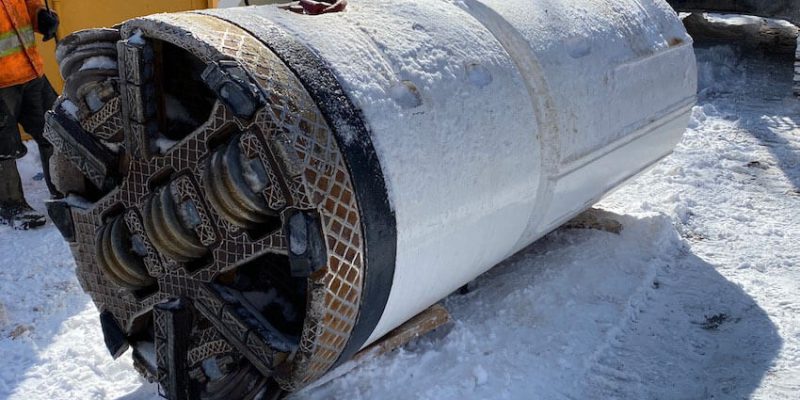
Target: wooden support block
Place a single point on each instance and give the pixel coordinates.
(433, 318)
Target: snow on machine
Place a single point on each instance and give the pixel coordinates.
(254, 195)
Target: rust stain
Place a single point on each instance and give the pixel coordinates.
(675, 42)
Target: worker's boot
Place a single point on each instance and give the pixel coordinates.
(14, 210)
(21, 216)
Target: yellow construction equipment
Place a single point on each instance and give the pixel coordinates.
(83, 14)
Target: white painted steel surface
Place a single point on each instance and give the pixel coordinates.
(497, 120)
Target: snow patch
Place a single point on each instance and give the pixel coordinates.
(99, 62)
(70, 108)
(254, 174)
(298, 234)
(176, 111)
(406, 94)
(211, 369)
(478, 75)
(480, 374)
(147, 351)
(164, 144)
(78, 202)
(137, 38)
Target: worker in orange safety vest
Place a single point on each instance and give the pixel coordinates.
(25, 96)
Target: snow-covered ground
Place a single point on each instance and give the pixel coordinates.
(698, 297)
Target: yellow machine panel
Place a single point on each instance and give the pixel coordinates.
(76, 15)
(84, 14)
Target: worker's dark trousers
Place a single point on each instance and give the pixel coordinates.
(25, 105)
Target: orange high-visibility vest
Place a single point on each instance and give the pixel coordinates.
(20, 62)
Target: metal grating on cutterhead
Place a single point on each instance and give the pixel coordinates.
(201, 214)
